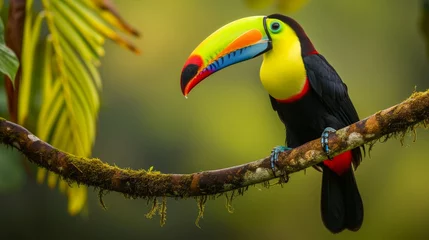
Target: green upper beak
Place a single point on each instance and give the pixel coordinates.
(235, 42)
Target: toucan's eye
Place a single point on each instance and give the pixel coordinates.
(275, 27)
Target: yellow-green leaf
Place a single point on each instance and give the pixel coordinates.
(70, 34)
(84, 27)
(71, 82)
(31, 36)
(77, 198)
(101, 25)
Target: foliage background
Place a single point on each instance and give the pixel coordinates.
(144, 121)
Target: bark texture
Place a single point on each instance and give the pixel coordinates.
(395, 120)
(13, 38)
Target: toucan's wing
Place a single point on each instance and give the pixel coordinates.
(332, 91)
(326, 82)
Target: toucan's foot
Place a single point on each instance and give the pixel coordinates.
(275, 155)
(324, 140)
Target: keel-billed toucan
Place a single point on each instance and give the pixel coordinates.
(305, 90)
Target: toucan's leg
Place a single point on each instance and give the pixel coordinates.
(324, 140)
(275, 155)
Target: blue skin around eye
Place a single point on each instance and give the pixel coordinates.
(237, 56)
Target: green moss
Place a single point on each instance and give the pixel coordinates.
(101, 194)
(229, 199)
(417, 94)
(160, 208)
(266, 184)
(163, 212)
(201, 201)
(408, 129)
(153, 209)
(147, 183)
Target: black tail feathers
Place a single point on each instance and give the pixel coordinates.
(341, 203)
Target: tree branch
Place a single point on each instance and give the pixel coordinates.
(13, 38)
(148, 184)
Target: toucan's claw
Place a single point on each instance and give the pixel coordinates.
(275, 155)
(324, 140)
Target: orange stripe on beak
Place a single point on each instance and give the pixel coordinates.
(247, 39)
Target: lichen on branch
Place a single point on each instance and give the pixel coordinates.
(150, 184)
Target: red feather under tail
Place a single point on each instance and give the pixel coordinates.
(341, 203)
(340, 163)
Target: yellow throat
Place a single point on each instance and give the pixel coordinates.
(283, 73)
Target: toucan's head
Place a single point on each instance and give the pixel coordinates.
(241, 40)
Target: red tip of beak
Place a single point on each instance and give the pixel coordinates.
(188, 79)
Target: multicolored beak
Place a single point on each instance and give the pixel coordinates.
(235, 42)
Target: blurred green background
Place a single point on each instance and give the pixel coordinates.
(145, 121)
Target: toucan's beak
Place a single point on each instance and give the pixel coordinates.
(235, 42)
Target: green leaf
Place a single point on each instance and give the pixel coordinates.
(70, 81)
(28, 59)
(8, 61)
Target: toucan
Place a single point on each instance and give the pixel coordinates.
(306, 92)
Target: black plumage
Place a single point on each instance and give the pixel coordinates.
(326, 104)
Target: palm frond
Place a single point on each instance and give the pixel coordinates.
(70, 79)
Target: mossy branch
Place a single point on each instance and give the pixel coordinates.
(149, 184)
